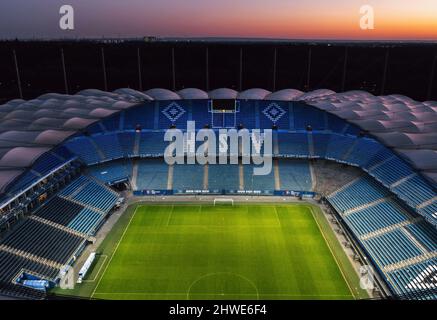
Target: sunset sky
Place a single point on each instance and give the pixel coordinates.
(291, 19)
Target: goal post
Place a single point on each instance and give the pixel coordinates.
(223, 202)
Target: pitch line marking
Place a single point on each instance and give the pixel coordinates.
(103, 263)
(214, 294)
(277, 217)
(169, 216)
(218, 273)
(332, 253)
(115, 250)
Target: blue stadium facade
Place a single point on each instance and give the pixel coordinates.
(60, 153)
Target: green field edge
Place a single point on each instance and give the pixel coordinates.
(109, 245)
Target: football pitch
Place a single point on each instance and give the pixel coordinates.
(259, 251)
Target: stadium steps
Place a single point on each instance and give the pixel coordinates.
(84, 205)
(382, 163)
(350, 150)
(121, 121)
(102, 184)
(99, 151)
(414, 240)
(344, 187)
(205, 176)
(75, 192)
(137, 141)
(276, 174)
(345, 128)
(170, 177)
(426, 203)
(310, 144)
(134, 175)
(59, 226)
(240, 176)
(31, 257)
(102, 127)
(410, 262)
(392, 227)
(313, 176)
(275, 143)
(400, 181)
(365, 206)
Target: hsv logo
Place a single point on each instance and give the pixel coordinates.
(274, 112)
(173, 111)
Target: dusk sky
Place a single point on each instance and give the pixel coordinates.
(291, 19)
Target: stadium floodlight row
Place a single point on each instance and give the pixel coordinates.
(65, 151)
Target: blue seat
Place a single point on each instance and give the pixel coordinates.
(295, 175)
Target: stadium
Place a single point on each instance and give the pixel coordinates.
(89, 207)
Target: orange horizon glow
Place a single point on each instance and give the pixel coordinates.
(288, 19)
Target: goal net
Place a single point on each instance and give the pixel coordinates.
(223, 202)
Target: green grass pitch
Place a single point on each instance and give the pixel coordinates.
(221, 252)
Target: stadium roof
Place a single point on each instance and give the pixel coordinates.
(30, 128)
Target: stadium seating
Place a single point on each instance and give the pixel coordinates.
(391, 247)
(304, 117)
(74, 186)
(246, 116)
(258, 182)
(376, 217)
(362, 151)
(43, 240)
(360, 192)
(86, 221)
(25, 179)
(127, 142)
(388, 229)
(47, 162)
(406, 281)
(152, 144)
(295, 175)
(59, 210)
(188, 177)
(11, 265)
(112, 123)
(112, 172)
(223, 177)
(414, 191)
(95, 195)
(425, 234)
(84, 149)
(109, 145)
(338, 146)
(143, 116)
(293, 145)
(321, 142)
(429, 210)
(152, 174)
(392, 235)
(391, 171)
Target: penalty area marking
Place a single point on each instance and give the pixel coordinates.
(223, 273)
(332, 253)
(115, 250)
(98, 271)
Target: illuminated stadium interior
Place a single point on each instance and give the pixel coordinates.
(65, 160)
